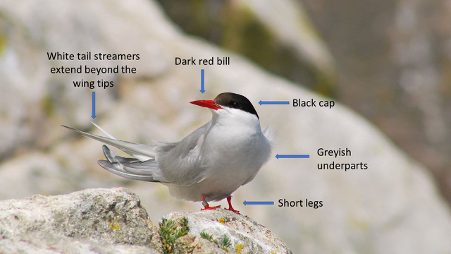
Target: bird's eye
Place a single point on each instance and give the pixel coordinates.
(234, 103)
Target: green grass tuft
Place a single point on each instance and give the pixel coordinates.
(170, 231)
(223, 243)
(206, 236)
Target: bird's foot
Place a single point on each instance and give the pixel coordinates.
(207, 207)
(229, 200)
(233, 210)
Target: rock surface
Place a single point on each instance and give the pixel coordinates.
(93, 220)
(113, 221)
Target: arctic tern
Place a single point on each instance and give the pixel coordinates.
(207, 165)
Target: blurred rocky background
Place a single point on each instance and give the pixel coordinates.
(386, 60)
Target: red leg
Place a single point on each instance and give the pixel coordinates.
(229, 200)
(206, 206)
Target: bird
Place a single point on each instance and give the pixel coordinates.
(207, 165)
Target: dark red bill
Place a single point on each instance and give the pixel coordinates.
(207, 104)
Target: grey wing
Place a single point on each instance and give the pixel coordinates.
(143, 167)
(178, 163)
(131, 168)
(181, 163)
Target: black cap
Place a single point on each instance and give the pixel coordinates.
(238, 101)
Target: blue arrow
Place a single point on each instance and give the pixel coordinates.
(202, 81)
(93, 105)
(274, 102)
(292, 156)
(258, 202)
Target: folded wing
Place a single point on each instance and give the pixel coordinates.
(177, 163)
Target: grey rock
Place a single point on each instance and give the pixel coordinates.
(90, 221)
